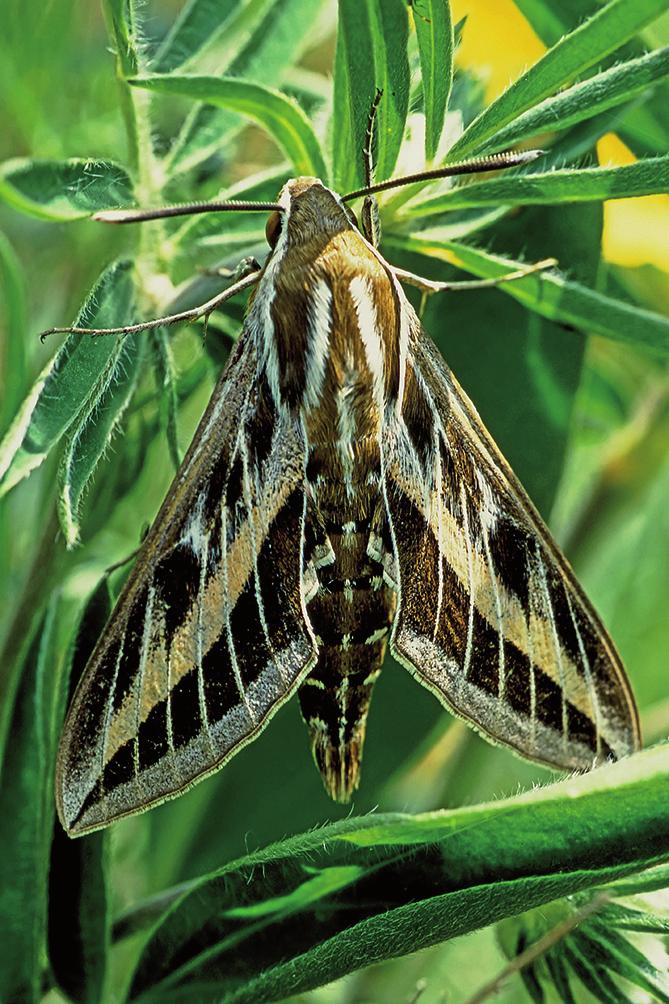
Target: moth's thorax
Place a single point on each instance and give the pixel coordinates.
(327, 314)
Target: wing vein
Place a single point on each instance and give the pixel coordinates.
(146, 638)
(109, 711)
(248, 499)
(556, 645)
(501, 683)
(592, 691)
(470, 578)
(204, 711)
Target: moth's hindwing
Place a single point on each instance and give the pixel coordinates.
(490, 617)
(209, 636)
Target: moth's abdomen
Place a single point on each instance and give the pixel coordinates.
(350, 614)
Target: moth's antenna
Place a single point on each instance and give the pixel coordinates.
(369, 217)
(185, 209)
(368, 154)
(495, 162)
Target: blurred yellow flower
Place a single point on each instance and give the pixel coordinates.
(497, 40)
(499, 43)
(636, 231)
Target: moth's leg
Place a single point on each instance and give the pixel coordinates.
(431, 286)
(245, 267)
(369, 215)
(204, 310)
(369, 220)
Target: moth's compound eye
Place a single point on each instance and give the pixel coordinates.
(273, 228)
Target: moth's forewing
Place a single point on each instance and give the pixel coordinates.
(490, 616)
(209, 636)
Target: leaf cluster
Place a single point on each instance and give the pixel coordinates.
(209, 920)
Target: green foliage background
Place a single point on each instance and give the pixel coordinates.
(193, 901)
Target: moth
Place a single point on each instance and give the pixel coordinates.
(340, 497)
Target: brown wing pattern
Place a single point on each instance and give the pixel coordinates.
(209, 636)
(490, 616)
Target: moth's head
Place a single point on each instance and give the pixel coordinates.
(310, 210)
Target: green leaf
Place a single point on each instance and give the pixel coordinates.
(624, 566)
(645, 129)
(606, 31)
(306, 910)
(595, 937)
(281, 117)
(66, 383)
(389, 24)
(27, 814)
(608, 949)
(166, 379)
(93, 430)
(434, 32)
(79, 922)
(371, 53)
(200, 25)
(645, 882)
(559, 973)
(553, 19)
(585, 100)
(552, 296)
(121, 20)
(630, 919)
(591, 184)
(596, 980)
(205, 232)
(13, 335)
(353, 94)
(63, 190)
(268, 49)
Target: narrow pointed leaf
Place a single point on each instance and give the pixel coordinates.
(615, 952)
(553, 19)
(304, 911)
(591, 184)
(607, 30)
(533, 985)
(354, 88)
(199, 25)
(79, 922)
(631, 919)
(205, 231)
(63, 190)
(166, 379)
(283, 119)
(371, 53)
(268, 47)
(648, 881)
(553, 296)
(121, 21)
(390, 29)
(586, 99)
(67, 381)
(93, 430)
(27, 813)
(555, 964)
(592, 976)
(13, 337)
(434, 31)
